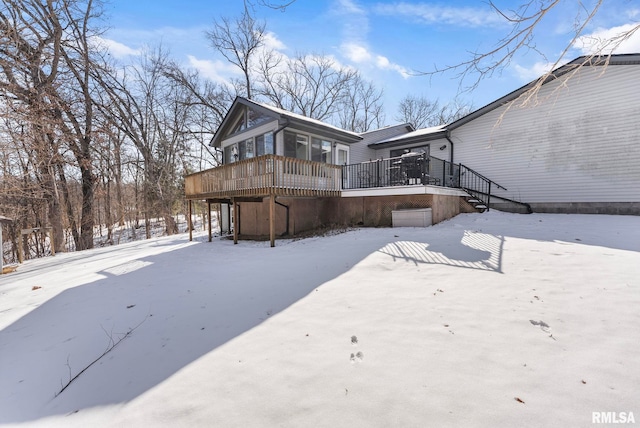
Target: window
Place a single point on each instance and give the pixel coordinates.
(296, 145)
(417, 149)
(264, 144)
(255, 118)
(239, 125)
(246, 149)
(320, 150)
(245, 119)
(231, 153)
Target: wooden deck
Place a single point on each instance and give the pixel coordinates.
(265, 176)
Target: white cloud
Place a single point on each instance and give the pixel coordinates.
(384, 63)
(362, 56)
(354, 20)
(348, 6)
(356, 53)
(117, 49)
(214, 70)
(619, 40)
(271, 41)
(527, 74)
(432, 14)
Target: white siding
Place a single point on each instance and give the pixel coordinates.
(580, 143)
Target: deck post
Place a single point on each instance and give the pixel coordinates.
(189, 225)
(209, 217)
(272, 215)
(235, 220)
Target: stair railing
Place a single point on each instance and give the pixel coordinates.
(477, 185)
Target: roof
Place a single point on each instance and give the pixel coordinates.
(372, 137)
(417, 136)
(587, 60)
(397, 135)
(286, 119)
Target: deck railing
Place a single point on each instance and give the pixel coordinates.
(263, 176)
(285, 176)
(403, 170)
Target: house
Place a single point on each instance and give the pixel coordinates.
(284, 174)
(571, 148)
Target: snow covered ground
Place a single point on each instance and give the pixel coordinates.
(488, 319)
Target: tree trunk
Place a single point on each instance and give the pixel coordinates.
(54, 213)
(87, 219)
(70, 214)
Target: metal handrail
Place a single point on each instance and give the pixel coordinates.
(401, 170)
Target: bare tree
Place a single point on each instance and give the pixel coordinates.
(417, 110)
(422, 112)
(524, 21)
(315, 86)
(208, 104)
(45, 60)
(152, 110)
(361, 108)
(311, 85)
(278, 5)
(238, 41)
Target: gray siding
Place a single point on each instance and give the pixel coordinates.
(359, 152)
(579, 143)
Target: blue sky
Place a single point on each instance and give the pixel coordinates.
(387, 41)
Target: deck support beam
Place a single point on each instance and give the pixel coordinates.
(189, 222)
(236, 222)
(272, 215)
(209, 218)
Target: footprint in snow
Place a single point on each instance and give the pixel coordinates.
(543, 325)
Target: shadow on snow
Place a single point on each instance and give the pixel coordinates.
(191, 300)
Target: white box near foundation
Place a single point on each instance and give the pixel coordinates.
(419, 217)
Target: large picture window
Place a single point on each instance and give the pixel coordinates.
(231, 153)
(264, 144)
(247, 118)
(255, 118)
(320, 150)
(296, 145)
(249, 148)
(246, 149)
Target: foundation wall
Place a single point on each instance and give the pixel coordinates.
(306, 214)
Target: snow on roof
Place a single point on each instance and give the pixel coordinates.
(300, 117)
(417, 133)
(383, 134)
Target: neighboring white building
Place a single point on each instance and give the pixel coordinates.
(574, 147)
